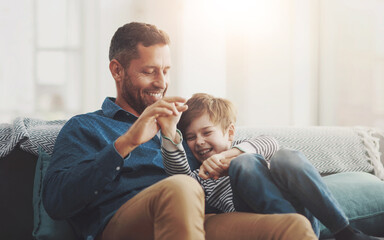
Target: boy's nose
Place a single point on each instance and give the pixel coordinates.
(200, 141)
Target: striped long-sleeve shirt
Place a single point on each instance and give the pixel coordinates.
(218, 193)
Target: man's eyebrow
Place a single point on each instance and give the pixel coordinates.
(153, 66)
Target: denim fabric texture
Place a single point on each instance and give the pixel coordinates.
(290, 185)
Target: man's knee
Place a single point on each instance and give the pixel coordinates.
(299, 227)
(298, 219)
(182, 186)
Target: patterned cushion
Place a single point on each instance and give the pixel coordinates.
(330, 149)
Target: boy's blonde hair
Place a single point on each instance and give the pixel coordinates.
(221, 111)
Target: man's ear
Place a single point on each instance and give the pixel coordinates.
(231, 132)
(116, 69)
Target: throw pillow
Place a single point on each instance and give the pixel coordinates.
(45, 228)
(361, 196)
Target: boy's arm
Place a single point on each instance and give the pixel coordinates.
(263, 145)
(174, 156)
(217, 165)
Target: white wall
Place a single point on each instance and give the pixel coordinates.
(16, 59)
(352, 62)
(262, 55)
(282, 62)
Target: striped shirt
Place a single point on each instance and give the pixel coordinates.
(218, 193)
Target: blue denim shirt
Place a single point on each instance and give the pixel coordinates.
(87, 179)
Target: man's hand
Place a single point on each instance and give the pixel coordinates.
(168, 123)
(146, 126)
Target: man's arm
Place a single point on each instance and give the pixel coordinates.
(79, 169)
(82, 165)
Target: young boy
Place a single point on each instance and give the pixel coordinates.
(208, 128)
(211, 143)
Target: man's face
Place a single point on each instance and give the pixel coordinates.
(146, 79)
(205, 138)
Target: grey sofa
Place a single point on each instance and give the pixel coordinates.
(356, 148)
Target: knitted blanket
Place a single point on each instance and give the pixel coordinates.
(30, 134)
(330, 149)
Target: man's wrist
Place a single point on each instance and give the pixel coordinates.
(123, 146)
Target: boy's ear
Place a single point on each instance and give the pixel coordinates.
(231, 132)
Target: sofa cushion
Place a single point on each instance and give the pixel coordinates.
(361, 196)
(45, 228)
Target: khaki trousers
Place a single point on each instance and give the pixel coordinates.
(174, 209)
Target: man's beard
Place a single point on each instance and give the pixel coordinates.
(133, 96)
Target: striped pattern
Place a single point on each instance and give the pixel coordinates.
(218, 193)
(31, 134)
(263, 145)
(329, 149)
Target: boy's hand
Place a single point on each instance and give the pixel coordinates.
(214, 167)
(146, 126)
(217, 165)
(167, 123)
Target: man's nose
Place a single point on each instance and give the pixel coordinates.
(161, 81)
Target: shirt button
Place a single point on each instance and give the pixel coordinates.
(96, 192)
(118, 168)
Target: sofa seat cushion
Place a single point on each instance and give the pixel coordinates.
(361, 196)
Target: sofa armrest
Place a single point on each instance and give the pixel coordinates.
(17, 172)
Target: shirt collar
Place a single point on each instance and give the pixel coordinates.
(110, 108)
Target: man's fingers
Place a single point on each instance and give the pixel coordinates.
(175, 99)
(181, 108)
(163, 112)
(175, 107)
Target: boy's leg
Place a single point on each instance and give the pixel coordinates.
(294, 174)
(254, 189)
(252, 226)
(170, 209)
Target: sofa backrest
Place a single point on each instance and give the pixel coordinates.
(330, 149)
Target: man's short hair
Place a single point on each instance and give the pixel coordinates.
(220, 111)
(124, 42)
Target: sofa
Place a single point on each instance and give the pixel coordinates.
(349, 158)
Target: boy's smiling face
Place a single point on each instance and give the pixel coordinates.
(205, 138)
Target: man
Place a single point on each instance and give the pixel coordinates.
(106, 175)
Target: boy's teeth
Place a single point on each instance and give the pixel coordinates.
(204, 152)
